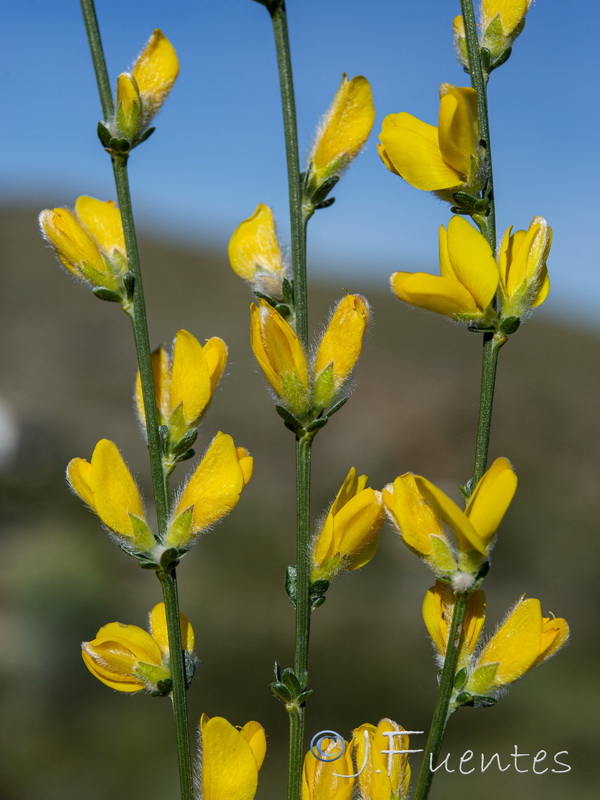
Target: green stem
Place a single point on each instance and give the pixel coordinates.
(442, 711)
(93, 33)
(159, 478)
(491, 346)
(303, 612)
(142, 345)
(298, 220)
(479, 83)
(168, 582)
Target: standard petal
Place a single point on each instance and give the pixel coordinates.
(156, 69)
(412, 148)
(190, 379)
(472, 261)
(159, 632)
(516, 644)
(342, 342)
(490, 500)
(254, 247)
(102, 220)
(457, 127)
(214, 488)
(79, 476)
(229, 766)
(115, 492)
(254, 734)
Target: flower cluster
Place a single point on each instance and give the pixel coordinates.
(423, 514)
(474, 287)
(525, 639)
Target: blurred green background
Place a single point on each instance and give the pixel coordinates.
(68, 369)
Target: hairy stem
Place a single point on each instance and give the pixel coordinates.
(142, 347)
(441, 712)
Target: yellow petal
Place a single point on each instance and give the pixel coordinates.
(446, 509)
(229, 766)
(253, 246)
(158, 630)
(346, 127)
(442, 295)
(490, 500)
(516, 644)
(102, 220)
(358, 522)
(121, 683)
(457, 127)
(215, 353)
(214, 488)
(116, 495)
(156, 69)
(385, 776)
(280, 355)
(414, 517)
(72, 244)
(412, 147)
(162, 380)
(190, 380)
(320, 779)
(511, 13)
(438, 608)
(555, 632)
(472, 261)
(254, 734)
(132, 640)
(79, 476)
(342, 342)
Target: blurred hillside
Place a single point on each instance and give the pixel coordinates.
(68, 367)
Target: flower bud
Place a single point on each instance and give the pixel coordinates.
(108, 488)
(438, 608)
(281, 357)
(185, 383)
(340, 348)
(386, 771)
(501, 22)
(90, 243)
(129, 659)
(231, 758)
(524, 282)
(254, 253)
(329, 776)
(342, 133)
(348, 538)
(141, 93)
(211, 492)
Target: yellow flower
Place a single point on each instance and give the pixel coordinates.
(524, 282)
(280, 356)
(185, 383)
(231, 758)
(525, 639)
(89, 242)
(511, 15)
(422, 512)
(129, 659)
(438, 607)
(105, 484)
(254, 253)
(468, 277)
(342, 133)
(340, 347)
(326, 777)
(211, 492)
(348, 538)
(445, 159)
(384, 770)
(141, 92)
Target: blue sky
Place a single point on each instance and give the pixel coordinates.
(218, 148)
